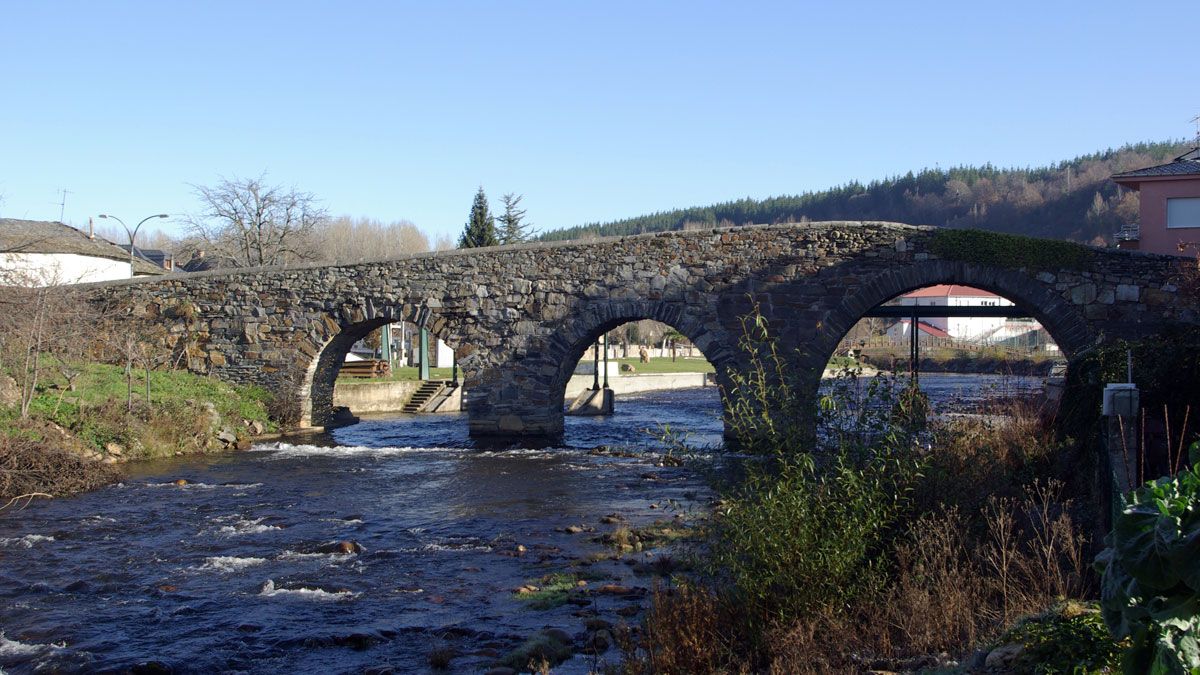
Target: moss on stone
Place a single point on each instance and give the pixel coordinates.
(1009, 250)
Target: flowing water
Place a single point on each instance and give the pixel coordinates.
(239, 570)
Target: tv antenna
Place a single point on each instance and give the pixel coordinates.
(1196, 140)
(62, 205)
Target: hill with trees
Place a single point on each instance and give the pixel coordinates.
(1073, 200)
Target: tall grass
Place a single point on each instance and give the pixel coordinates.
(876, 544)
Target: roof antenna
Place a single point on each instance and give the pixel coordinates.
(62, 206)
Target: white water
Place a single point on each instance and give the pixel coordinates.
(230, 563)
(270, 591)
(24, 542)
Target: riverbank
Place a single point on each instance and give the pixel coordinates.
(380, 396)
(891, 559)
(85, 419)
(947, 361)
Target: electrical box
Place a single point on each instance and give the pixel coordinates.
(1120, 400)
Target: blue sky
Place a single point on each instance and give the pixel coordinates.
(592, 111)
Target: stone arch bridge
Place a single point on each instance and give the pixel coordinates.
(519, 317)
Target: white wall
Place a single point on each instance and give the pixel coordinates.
(961, 328)
(44, 269)
(443, 355)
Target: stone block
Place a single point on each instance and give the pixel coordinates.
(1083, 294)
(510, 423)
(1156, 297)
(1128, 293)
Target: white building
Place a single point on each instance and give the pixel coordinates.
(1008, 332)
(41, 253)
(972, 328)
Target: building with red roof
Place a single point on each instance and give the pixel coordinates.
(953, 295)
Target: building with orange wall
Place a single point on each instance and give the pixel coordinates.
(1169, 213)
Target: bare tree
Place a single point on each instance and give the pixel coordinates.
(41, 317)
(256, 224)
(347, 239)
(148, 239)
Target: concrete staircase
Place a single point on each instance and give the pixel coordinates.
(429, 397)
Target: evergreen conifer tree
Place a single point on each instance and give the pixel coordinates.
(481, 226)
(512, 229)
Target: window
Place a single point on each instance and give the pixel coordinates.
(1183, 212)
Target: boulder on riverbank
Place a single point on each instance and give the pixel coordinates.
(10, 393)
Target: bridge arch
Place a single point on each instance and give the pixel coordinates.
(1063, 321)
(545, 376)
(342, 329)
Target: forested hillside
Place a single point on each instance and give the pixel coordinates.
(1072, 200)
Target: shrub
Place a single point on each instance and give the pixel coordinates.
(1009, 250)
(1151, 585)
(1165, 368)
(765, 409)
(688, 629)
(805, 538)
(285, 406)
(30, 463)
(824, 557)
(1068, 638)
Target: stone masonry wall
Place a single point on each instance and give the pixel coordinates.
(519, 317)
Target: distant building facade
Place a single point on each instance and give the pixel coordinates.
(1025, 333)
(950, 295)
(153, 256)
(42, 253)
(1169, 207)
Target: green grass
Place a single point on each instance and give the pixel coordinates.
(405, 374)
(174, 421)
(554, 589)
(100, 383)
(666, 365)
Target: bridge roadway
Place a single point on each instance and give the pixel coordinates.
(520, 317)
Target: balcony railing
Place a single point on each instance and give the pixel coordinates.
(1129, 232)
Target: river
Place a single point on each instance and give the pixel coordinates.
(238, 571)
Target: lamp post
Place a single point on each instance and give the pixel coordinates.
(133, 233)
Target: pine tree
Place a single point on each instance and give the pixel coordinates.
(512, 229)
(481, 226)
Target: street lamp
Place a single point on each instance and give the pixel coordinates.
(133, 233)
